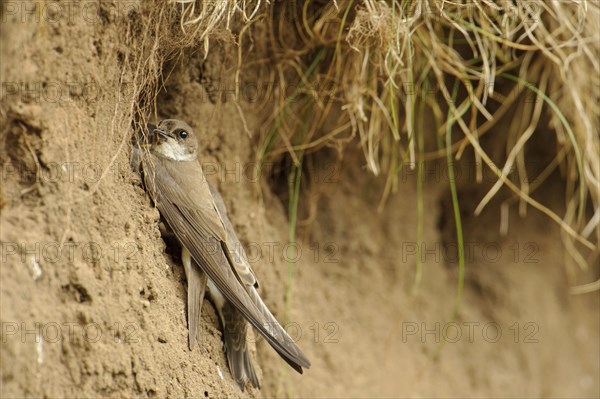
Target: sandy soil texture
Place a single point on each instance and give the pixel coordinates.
(93, 300)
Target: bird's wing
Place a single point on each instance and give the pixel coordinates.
(194, 203)
(235, 249)
(237, 257)
(194, 219)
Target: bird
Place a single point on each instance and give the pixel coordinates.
(213, 258)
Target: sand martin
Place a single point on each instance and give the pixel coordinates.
(212, 255)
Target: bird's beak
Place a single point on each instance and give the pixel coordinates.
(161, 133)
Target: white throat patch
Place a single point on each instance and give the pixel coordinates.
(174, 151)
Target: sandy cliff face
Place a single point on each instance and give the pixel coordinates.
(93, 300)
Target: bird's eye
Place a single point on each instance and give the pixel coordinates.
(183, 134)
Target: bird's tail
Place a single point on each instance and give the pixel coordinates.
(196, 281)
(236, 347)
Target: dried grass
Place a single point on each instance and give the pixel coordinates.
(544, 54)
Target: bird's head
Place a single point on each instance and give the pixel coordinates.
(175, 139)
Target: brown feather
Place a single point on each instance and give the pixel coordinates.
(193, 216)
